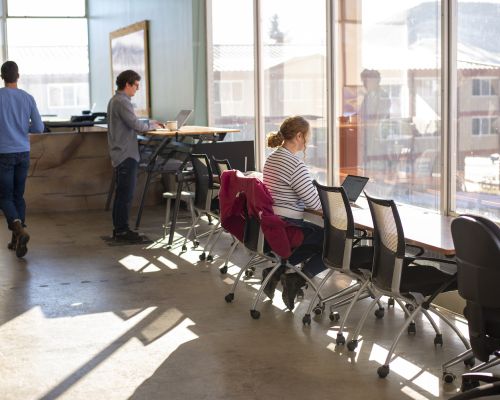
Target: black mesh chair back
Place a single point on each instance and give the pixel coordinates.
(221, 165)
(388, 243)
(204, 182)
(477, 246)
(338, 226)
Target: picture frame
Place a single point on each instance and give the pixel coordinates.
(129, 50)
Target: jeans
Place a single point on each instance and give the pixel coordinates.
(125, 179)
(13, 172)
(310, 252)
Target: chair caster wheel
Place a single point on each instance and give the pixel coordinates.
(409, 307)
(202, 256)
(248, 273)
(470, 362)
(439, 340)
(334, 316)
(223, 270)
(379, 313)
(210, 258)
(448, 377)
(383, 371)
(340, 340)
(318, 310)
(196, 243)
(390, 302)
(412, 329)
(184, 247)
(255, 314)
(229, 297)
(351, 346)
(306, 319)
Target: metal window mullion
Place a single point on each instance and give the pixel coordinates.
(446, 107)
(332, 134)
(258, 89)
(210, 61)
(449, 145)
(4, 29)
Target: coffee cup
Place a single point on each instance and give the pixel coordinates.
(171, 125)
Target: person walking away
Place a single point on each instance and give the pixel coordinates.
(19, 116)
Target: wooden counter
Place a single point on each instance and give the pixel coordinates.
(71, 171)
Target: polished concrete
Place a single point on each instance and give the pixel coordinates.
(83, 320)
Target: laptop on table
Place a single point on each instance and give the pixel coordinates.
(182, 117)
(353, 186)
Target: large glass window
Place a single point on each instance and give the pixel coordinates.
(388, 72)
(477, 156)
(294, 71)
(232, 70)
(46, 8)
(52, 53)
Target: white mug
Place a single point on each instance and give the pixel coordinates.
(171, 125)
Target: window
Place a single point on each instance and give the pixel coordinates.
(475, 165)
(483, 87)
(388, 83)
(51, 53)
(228, 91)
(46, 8)
(231, 72)
(482, 126)
(294, 71)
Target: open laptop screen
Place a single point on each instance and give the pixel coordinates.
(353, 186)
(182, 117)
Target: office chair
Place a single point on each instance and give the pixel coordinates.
(205, 200)
(407, 279)
(247, 213)
(477, 246)
(222, 165)
(341, 254)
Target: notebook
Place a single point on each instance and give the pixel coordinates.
(353, 186)
(182, 117)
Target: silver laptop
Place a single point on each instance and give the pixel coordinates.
(182, 117)
(353, 186)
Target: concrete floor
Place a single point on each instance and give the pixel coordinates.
(82, 320)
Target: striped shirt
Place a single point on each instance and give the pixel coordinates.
(287, 178)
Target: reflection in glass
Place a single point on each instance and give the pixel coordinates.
(232, 91)
(388, 97)
(478, 109)
(54, 68)
(294, 64)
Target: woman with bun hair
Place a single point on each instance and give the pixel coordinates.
(288, 179)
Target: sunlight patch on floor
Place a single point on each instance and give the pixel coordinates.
(409, 371)
(168, 263)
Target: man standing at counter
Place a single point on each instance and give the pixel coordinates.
(17, 110)
(123, 126)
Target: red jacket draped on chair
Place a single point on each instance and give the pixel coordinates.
(237, 193)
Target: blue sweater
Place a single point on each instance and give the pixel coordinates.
(17, 109)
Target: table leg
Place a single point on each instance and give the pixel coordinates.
(180, 183)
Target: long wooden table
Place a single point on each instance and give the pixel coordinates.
(174, 142)
(421, 228)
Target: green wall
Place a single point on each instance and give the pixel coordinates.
(177, 53)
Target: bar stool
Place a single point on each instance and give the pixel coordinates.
(186, 196)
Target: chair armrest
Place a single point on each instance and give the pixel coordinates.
(419, 248)
(438, 260)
